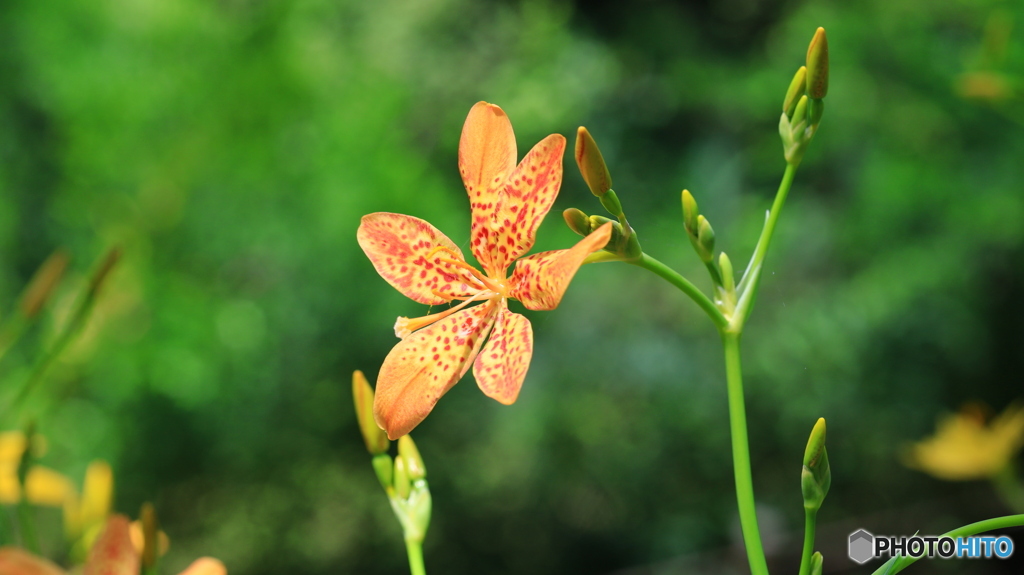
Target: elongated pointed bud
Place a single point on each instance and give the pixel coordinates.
(817, 561)
(591, 163)
(413, 462)
(402, 484)
(797, 88)
(817, 65)
(815, 477)
(376, 439)
(384, 467)
(705, 239)
(577, 221)
(41, 286)
(690, 213)
(725, 265)
(800, 112)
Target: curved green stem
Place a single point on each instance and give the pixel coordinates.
(901, 563)
(741, 455)
(684, 285)
(810, 521)
(748, 285)
(415, 550)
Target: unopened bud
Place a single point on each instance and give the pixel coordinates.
(577, 221)
(384, 467)
(797, 88)
(610, 201)
(690, 213)
(817, 561)
(42, 283)
(725, 265)
(817, 65)
(413, 462)
(402, 484)
(799, 113)
(705, 239)
(591, 163)
(815, 477)
(376, 439)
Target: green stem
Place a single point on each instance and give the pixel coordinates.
(415, 550)
(810, 520)
(741, 455)
(903, 562)
(751, 277)
(684, 285)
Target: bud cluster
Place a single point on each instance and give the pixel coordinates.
(623, 243)
(403, 478)
(804, 103)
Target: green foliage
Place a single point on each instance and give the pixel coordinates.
(229, 148)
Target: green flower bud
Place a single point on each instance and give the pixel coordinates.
(384, 467)
(816, 563)
(797, 88)
(610, 201)
(815, 477)
(728, 283)
(800, 113)
(402, 484)
(413, 462)
(577, 221)
(817, 65)
(705, 239)
(376, 439)
(690, 213)
(591, 163)
(815, 444)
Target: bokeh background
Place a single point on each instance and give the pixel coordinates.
(230, 147)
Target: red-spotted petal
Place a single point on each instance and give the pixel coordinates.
(113, 552)
(540, 280)
(487, 155)
(501, 367)
(410, 254)
(425, 365)
(525, 200)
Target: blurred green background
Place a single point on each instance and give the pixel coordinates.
(230, 147)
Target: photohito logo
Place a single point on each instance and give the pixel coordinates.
(864, 546)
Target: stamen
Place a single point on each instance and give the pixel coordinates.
(486, 281)
(405, 326)
(456, 260)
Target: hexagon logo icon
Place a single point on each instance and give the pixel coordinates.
(861, 546)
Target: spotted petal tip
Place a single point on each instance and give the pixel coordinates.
(541, 279)
(425, 365)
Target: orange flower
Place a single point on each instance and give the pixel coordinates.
(508, 203)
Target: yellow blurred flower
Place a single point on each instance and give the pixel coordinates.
(89, 512)
(965, 448)
(43, 486)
